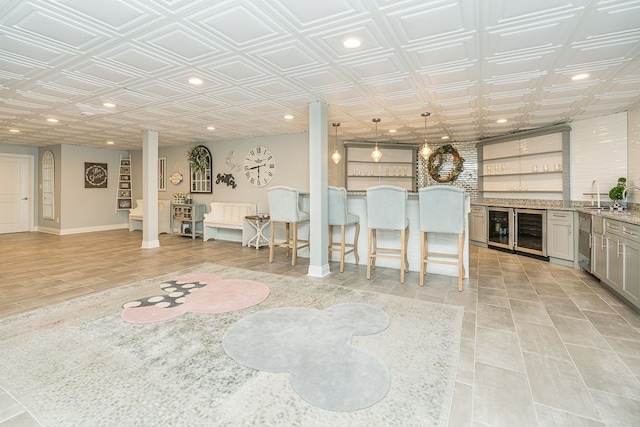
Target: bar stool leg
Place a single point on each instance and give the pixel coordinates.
(369, 254)
(422, 261)
(403, 249)
(330, 242)
(355, 243)
(294, 246)
(271, 240)
(342, 248)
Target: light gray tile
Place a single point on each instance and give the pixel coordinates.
(548, 289)
(541, 339)
(629, 314)
(605, 371)
(633, 363)
(561, 306)
(490, 316)
(612, 325)
(468, 300)
(502, 398)
(524, 294)
(591, 303)
(528, 311)
(556, 383)
(499, 348)
(9, 408)
(491, 281)
(580, 332)
(617, 410)
(493, 296)
(551, 417)
(461, 412)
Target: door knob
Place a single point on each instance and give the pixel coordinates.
(25, 198)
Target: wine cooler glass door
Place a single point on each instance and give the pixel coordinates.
(500, 227)
(530, 231)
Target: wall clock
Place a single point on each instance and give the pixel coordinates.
(259, 166)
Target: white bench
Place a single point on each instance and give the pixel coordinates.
(136, 216)
(226, 215)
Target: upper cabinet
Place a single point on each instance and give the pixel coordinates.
(533, 166)
(397, 166)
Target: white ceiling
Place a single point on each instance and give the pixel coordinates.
(468, 62)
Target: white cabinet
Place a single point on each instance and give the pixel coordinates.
(598, 248)
(620, 248)
(397, 167)
(560, 235)
(524, 168)
(478, 224)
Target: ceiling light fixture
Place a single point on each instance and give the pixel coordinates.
(392, 131)
(376, 154)
(425, 151)
(195, 81)
(14, 130)
(288, 117)
(211, 128)
(110, 142)
(52, 120)
(445, 137)
(501, 121)
(580, 76)
(336, 156)
(108, 105)
(351, 43)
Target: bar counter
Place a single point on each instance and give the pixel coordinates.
(357, 204)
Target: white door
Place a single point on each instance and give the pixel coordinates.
(14, 193)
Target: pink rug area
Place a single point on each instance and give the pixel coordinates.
(195, 293)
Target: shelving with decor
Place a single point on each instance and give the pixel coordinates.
(397, 166)
(124, 197)
(529, 165)
(187, 219)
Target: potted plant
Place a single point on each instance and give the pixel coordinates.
(198, 158)
(615, 193)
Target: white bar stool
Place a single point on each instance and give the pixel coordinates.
(338, 215)
(442, 210)
(387, 210)
(283, 208)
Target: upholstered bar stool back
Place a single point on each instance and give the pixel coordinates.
(442, 210)
(284, 209)
(339, 216)
(387, 210)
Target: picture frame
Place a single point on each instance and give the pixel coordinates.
(95, 175)
(124, 203)
(125, 185)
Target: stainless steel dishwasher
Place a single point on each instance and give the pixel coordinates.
(584, 242)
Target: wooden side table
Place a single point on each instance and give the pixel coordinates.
(259, 223)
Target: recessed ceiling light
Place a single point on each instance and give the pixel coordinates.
(195, 81)
(580, 76)
(109, 105)
(14, 130)
(392, 131)
(288, 117)
(501, 121)
(445, 137)
(52, 120)
(110, 142)
(351, 43)
(211, 128)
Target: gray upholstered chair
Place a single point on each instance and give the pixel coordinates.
(284, 209)
(442, 210)
(387, 210)
(339, 216)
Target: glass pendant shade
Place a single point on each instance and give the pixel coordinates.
(425, 151)
(376, 154)
(336, 156)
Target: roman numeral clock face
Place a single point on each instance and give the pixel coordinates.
(259, 166)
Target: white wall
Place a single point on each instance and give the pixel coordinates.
(292, 168)
(598, 152)
(633, 147)
(88, 209)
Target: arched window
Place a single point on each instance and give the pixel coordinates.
(48, 185)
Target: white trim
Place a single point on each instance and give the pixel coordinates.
(79, 230)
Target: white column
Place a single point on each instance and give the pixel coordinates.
(150, 189)
(318, 198)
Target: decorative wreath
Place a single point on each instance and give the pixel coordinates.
(437, 161)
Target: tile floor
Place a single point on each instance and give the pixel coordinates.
(542, 344)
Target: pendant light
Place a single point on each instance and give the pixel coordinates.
(425, 151)
(336, 156)
(376, 154)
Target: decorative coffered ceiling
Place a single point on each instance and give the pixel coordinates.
(468, 62)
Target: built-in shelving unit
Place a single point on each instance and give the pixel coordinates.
(530, 165)
(124, 197)
(397, 166)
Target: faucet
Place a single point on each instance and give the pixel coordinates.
(631, 187)
(595, 182)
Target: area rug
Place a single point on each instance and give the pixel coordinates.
(79, 363)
